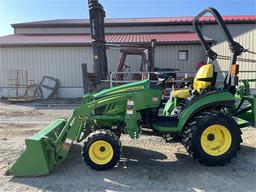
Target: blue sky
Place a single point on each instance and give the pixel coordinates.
(15, 11)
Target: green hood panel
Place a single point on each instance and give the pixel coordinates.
(136, 86)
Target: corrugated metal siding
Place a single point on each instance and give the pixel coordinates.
(167, 57)
(248, 41)
(3, 70)
(52, 30)
(141, 29)
(214, 32)
(71, 30)
(211, 31)
(63, 63)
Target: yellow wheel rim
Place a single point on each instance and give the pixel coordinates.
(101, 152)
(216, 140)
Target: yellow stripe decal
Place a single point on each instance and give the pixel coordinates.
(104, 100)
(138, 88)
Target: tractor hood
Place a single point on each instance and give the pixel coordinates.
(137, 86)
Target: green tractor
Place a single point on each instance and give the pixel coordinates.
(206, 119)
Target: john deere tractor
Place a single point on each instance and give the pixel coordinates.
(206, 119)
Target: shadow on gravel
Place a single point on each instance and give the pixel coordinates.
(144, 170)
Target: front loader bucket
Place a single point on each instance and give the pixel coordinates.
(40, 155)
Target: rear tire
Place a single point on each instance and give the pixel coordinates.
(212, 137)
(101, 150)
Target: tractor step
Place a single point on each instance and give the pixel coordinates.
(165, 124)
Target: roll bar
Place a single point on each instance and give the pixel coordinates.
(231, 79)
(234, 46)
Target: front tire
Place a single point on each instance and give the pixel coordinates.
(101, 150)
(212, 137)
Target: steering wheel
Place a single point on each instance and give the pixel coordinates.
(164, 79)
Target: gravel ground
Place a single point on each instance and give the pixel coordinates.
(147, 164)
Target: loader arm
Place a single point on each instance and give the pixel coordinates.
(53, 143)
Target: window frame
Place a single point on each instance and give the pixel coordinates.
(186, 51)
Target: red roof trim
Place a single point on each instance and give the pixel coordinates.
(138, 38)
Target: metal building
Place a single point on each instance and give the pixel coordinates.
(57, 48)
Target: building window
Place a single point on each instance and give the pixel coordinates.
(183, 55)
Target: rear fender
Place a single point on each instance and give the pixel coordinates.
(206, 100)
